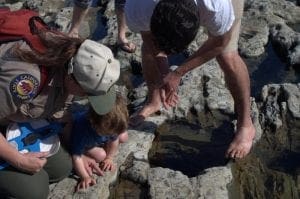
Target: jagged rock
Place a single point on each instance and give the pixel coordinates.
(165, 183)
(287, 42)
(204, 99)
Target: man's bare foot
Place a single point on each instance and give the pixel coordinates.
(242, 142)
(140, 116)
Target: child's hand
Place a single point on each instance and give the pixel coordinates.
(85, 183)
(108, 165)
(91, 166)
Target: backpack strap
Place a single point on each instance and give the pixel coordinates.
(44, 78)
(24, 25)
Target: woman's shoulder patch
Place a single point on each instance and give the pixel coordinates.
(24, 87)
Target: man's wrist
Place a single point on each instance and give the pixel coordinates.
(177, 73)
(176, 70)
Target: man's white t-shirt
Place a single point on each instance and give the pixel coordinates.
(216, 15)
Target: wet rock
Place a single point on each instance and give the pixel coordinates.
(254, 34)
(212, 183)
(165, 183)
(206, 102)
(272, 109)
(287, 42)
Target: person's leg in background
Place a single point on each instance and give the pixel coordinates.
(237, 79)
(122, 41)
(80, 10)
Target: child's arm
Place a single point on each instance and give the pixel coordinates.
(86, 179)
(111, 150)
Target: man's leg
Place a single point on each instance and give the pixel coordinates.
(150, 74)
(237, 79)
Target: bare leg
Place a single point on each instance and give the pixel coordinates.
(122, 40)
(237, 79)
(123, 137)
(78, 15)
(97, 153)
(151, 75)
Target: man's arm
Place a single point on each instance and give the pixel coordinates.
(155, 68)
(155, 58)
(210, 49)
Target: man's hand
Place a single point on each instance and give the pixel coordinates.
(168, 92)
(31, 162)
(91, 166)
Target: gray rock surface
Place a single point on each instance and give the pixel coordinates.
(205, 100)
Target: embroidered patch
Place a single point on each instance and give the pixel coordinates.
(24, 86)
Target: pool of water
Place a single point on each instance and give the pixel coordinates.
(190, 148)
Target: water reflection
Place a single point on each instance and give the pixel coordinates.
(189, 149)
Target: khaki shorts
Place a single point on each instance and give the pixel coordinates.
(238, 6)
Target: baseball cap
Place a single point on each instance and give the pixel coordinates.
(96, 70)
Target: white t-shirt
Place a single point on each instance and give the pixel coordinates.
(216, 15)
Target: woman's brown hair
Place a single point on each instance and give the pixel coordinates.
(60, 48)
(114, 122)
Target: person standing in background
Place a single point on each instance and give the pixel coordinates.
(80, 10)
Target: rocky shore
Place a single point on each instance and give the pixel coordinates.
(179, 153)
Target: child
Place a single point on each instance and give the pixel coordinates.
(98, 137)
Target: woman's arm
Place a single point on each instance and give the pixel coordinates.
(29, 162)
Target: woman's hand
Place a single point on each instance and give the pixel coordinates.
(31, 162)
(85, 183)
(108, 165)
